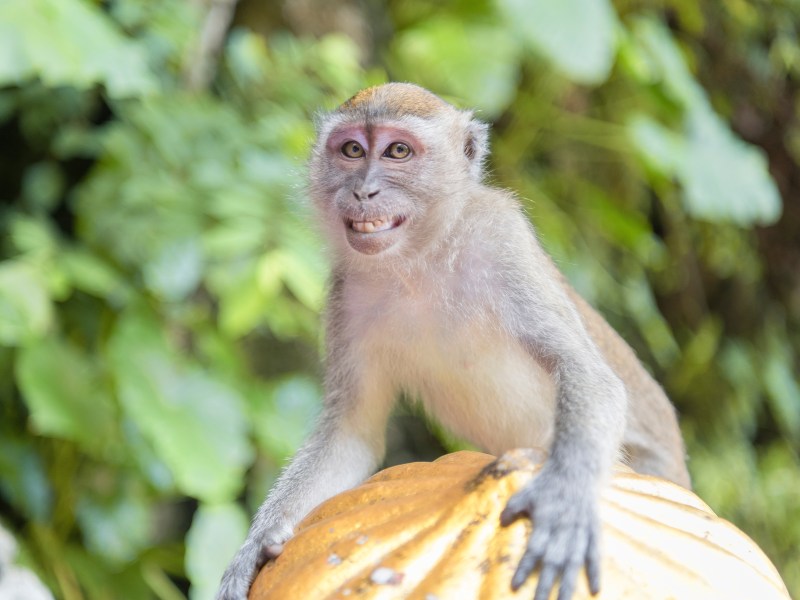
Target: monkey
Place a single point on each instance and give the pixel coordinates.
(441, 291)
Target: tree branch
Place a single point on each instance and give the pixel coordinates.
(201, 69)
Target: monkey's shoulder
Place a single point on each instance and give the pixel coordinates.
(499, 235)
(496, 216)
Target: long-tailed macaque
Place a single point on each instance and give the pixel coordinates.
(441, 290)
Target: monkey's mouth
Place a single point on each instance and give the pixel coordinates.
(373, 236)
(376, 225)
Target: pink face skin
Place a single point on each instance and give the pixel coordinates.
(370, 216)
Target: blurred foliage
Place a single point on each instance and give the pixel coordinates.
(161, 281)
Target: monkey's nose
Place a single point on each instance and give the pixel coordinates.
(362, 195)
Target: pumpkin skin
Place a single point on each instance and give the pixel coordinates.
(431, 531)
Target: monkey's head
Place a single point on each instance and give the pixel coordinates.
(392, 169)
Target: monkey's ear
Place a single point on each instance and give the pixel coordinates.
(476, 147)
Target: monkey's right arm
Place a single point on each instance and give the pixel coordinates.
(344, 449)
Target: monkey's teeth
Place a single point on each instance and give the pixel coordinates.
(381, 224)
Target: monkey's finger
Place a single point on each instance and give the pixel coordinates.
(508, 516)
(524, 569)
(593, 563)
(268, 552)
(537, 544)
(518, 505)
(569, 578)
(547, 579)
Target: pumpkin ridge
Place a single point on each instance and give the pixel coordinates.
(460, 575)
(699, 571)
(356, 500)
(349, 550)
(466, 459)
(719, 533)
(633, 482)
(684, 579)
(456, 514)
(410, 557)
(421, 469)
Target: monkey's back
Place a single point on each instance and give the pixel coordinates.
(652, 444)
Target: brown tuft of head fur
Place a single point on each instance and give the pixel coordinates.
(396, 99)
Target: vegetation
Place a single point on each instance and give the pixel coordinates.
(161, 281)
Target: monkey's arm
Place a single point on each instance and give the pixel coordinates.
(590, 414)
(346, 446)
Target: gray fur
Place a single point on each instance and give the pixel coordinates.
(464, 310)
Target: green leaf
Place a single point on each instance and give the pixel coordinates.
(195, 423)
(783, 386)
(667, 62)
(233, 238)
(90, 273)
(304, 280)
(698, 355)
(62, 389)
(38, 39)
(155, 472)
(476, 63)
(42, 185)
(176, 270)
(246, 56)
(337, 58)
(660, 148)
(23, 480)
(33, 236)
(216, 533)
(25, 308)
(241, 301)
(723, 177)
(639, 300)
(117, 529)
(282, 418)
(736, 360)
(577, 36)
(627, 229)
(97, 578)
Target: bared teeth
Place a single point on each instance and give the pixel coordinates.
(379, 224)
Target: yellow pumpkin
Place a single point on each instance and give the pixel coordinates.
(431, 531)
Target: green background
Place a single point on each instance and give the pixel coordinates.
(161, 277)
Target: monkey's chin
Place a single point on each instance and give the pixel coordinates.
(374, 242)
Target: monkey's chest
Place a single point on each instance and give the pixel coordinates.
(469, 374)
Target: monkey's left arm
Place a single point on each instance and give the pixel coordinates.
(590, 413)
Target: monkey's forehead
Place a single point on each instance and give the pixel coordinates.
(395, 99)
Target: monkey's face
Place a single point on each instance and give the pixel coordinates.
(392, 170)
(372, 193)
(387, 186)
(375, 166)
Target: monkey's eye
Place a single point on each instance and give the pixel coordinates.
(397, 150)
(352, 149)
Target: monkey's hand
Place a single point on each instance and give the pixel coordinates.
(565, 532)
(263, 543)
